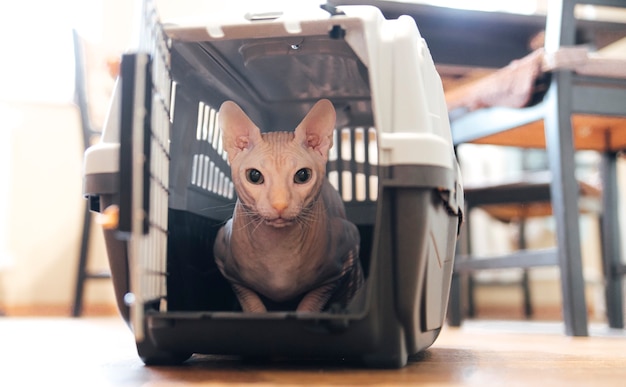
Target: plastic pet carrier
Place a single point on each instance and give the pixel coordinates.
(161, 180)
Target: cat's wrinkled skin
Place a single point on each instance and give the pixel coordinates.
(288, 237)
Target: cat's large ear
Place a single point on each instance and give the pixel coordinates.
(316, 129)
(238, 130)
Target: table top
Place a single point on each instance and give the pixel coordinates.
(479, 38)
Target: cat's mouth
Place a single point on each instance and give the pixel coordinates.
(278, 222)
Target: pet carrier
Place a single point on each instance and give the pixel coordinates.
(162, 170)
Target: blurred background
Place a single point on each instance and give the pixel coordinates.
(41, 150)
(41, 147)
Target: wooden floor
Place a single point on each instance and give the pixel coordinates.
(100, 352)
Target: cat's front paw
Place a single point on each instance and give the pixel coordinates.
(315, 300)
(249, 300)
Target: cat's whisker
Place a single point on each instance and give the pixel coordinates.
(252, 216)
(252, 221)
(308, 214)
(255, 220)
(306, 218)
(302, 222)
(257, 227)
(222, 207)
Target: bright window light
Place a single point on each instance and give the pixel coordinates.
(37, 52)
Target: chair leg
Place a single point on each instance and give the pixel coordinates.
(528, 306)
(611, 246)
(564, 191)
(521, 244)
(81, 275)
(471, 303)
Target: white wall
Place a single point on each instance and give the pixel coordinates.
(43, 217)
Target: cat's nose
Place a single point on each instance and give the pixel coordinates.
(280, 207)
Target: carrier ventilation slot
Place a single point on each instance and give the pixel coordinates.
(352, 164)
(205, 171)
(208, 130)
(207, 175)
(172, 101)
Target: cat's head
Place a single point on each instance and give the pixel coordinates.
(277, 175)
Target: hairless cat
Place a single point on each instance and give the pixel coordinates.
(288, 238)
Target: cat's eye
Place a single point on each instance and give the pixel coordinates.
(254, 176)
(302, 176)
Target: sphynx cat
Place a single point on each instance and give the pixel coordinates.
(288, 238)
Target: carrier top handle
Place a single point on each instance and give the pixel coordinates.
(336, 32)
(331, 9)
